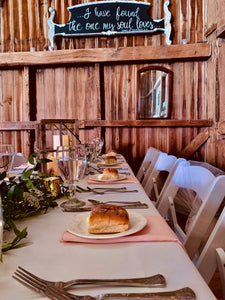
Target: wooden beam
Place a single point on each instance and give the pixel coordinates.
(210, 30)
(11, 126)
(107, 55)
(30, 125)
(145, 123)
(195, 144)
(220, 32)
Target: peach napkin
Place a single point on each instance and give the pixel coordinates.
(156, 230)
(128, 179)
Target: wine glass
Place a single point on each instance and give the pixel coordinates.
(71, 163)
(90, 151)
(99, 142)
(6, 157)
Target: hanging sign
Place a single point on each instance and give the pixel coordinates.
(110, 18)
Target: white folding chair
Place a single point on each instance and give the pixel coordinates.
(153, 182)
(213, 255)
(210, 191)
(147, 163)
(220, 258)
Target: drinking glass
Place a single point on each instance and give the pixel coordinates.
(6, 157)
(90, 151)
(99, 142)
(71, 163)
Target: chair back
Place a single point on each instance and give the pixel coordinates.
(206, 262)
(195, 178)
(147, 163)
(153, 182)
(165, 163)
(208, 188)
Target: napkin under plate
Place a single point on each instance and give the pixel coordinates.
(156, 230)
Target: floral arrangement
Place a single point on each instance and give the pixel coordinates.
(24, 196)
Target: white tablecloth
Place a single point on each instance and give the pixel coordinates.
(52, 260)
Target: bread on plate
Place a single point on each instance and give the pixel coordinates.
(108, 218)
(109, 174)
(111, 160)
(111, 153)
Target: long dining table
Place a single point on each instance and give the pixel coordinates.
(55, 254)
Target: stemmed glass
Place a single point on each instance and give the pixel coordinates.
(90, 151)
(6, 157)
(71, 163)
(99, 142)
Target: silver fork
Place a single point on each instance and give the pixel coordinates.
(41, 288)
(157, 280)
(102, 191)
(96, 202)
(56, 293)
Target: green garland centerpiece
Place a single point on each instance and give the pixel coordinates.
(24, 196)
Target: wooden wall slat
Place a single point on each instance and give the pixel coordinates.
(83, 91)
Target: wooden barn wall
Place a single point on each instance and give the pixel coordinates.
(107, 91)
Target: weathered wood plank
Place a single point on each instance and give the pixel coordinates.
(220, 32)
(11, 126)
(145, 123)
(149, 53)
(195, 144)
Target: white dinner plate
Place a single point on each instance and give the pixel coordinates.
(117, 156)
(96, 178)
(79, 226)
(108, 165)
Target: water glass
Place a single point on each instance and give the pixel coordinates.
(6, 157)
(71, 163)
(99, 142)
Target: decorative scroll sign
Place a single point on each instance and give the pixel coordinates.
(110, 18)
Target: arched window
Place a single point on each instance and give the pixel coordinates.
(154, 92)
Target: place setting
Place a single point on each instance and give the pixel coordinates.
(111, 176)
(110, 223)
(110, 161)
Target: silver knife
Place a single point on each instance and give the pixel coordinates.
(181, 294)
(81, 209)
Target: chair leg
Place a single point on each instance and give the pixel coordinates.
(155, 189)
(220, 258)
(172, 211)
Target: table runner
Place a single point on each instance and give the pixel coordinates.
(156, 230)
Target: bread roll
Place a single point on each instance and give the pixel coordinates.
(109, 174)
(107, 218)
(111, 153)
(110, 160)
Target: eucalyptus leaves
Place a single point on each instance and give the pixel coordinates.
(22, 197)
